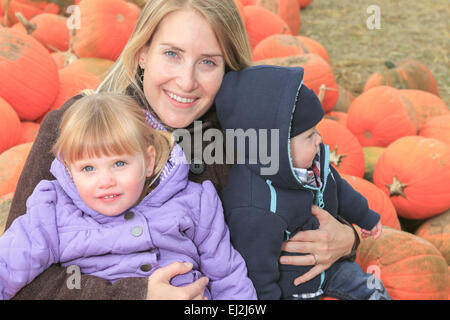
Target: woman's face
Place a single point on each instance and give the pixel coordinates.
(183, 68)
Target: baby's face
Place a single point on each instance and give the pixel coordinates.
(304, 148)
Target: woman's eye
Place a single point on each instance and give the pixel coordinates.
(171, 54)
(208, 62)
(88, 169)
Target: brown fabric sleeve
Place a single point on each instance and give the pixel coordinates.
(52, 284)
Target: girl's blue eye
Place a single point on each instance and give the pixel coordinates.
(120, 163)
(88, 168)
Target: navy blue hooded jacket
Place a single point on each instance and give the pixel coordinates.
(264, 208)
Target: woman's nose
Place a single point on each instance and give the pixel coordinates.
(186, 79)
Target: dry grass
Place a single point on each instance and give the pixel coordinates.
(409, 29)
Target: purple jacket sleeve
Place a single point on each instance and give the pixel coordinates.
(30, 245)
(219, 261)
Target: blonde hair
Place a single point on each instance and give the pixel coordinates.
(223, 17)
(110, 124)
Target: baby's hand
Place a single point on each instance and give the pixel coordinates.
(375, 232)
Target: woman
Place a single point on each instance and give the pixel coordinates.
(173, 66)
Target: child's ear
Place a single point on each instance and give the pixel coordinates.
(150, 161)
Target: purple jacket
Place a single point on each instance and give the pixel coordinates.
(178, 221)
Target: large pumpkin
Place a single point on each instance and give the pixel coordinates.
(5, 205)
(415, 172)
(317, 73)
(437, 231)
(438, 128)
(106, 28)
(285, 45)
(377, 199)
(28, 74)
(408, 74)
(379, 116)
(97, 66)
(288, 10)
(261, 23)
(426, 105)
(304, 3)
(72, 82)
(29, 8)
(49, 29)
(346, 154)
(11, 165)
(10, 130)
(410, 267)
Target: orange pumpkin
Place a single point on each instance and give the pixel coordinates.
(261, 23)
(414, 171)
(340, 117)
(288, 10)
(72, 82)
(410, 267)
(304, 3)
(28, 74)
(29, 8)
(378, 201)
(5, 205)
(317, 73)
(315, 47)
(379, 116)
(437, 231)
(29, 131)
(438, 128)
(11, 165)
(285, 45)
(59, 59)
(106, 27)
(97, 66)
(346, 153)
(49, 29)
(426, 105)
(10, 130)
(408, 74)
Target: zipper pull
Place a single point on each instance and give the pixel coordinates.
(320, 202)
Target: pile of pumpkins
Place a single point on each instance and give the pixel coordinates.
(391, 142)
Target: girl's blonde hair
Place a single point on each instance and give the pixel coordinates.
(223, 17)
(110, 124)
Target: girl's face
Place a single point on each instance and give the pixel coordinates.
(183, 68)
(304, 148)
(111, 185)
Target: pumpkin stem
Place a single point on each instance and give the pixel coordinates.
(336, 158)
(5, 16)
(396, 188)
(322, 90)
(390, 64)
(30, 27)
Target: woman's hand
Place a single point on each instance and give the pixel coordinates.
(322, 247)
(159, 287)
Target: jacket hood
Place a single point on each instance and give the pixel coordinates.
(263, 97)
(173, 179)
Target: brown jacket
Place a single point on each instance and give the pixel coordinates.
(53, 283)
